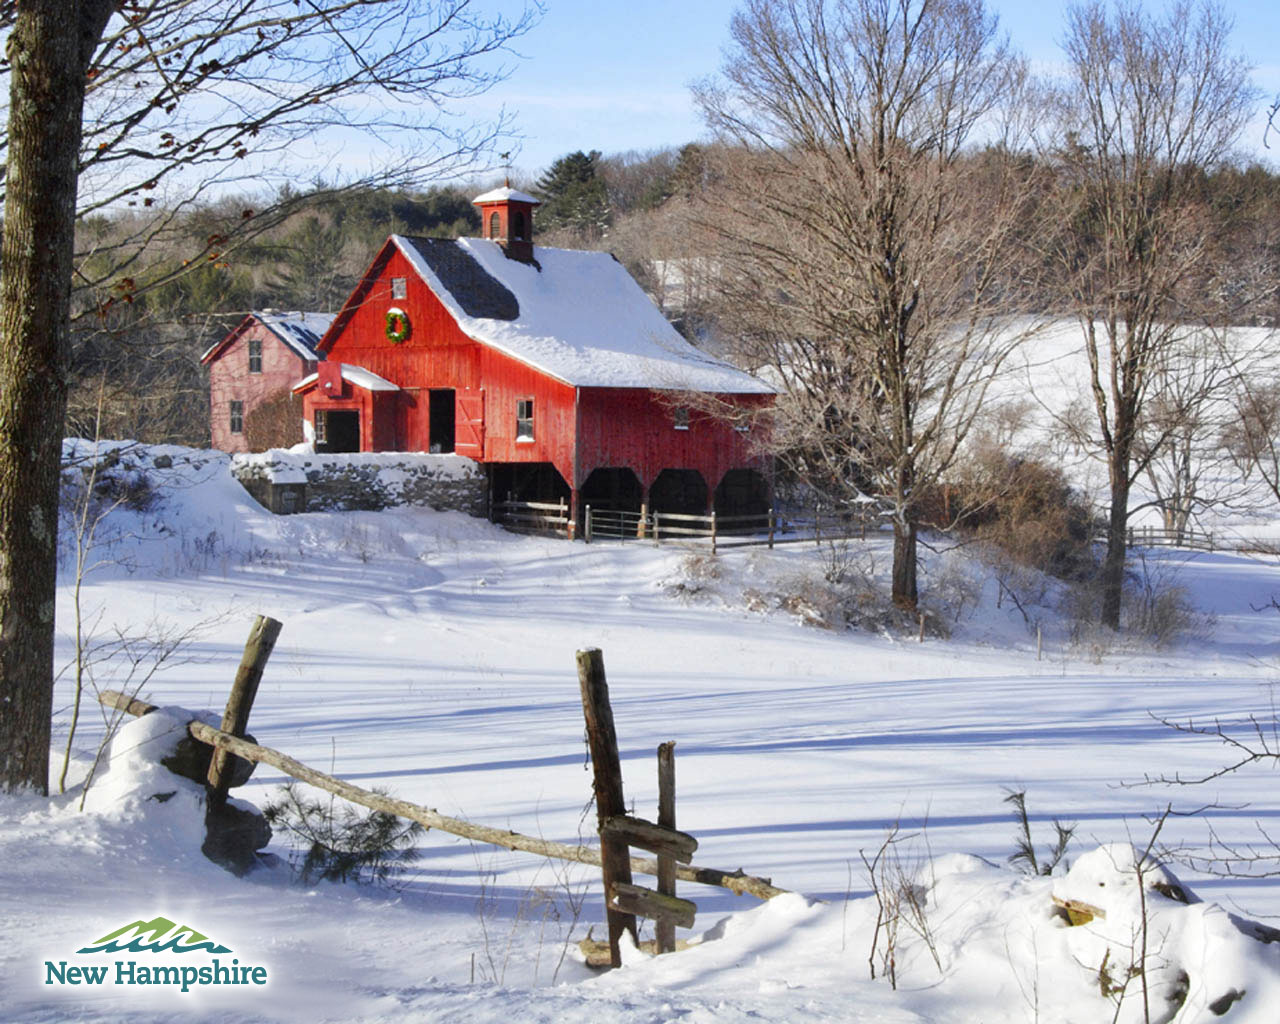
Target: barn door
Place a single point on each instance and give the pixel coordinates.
(469, 424)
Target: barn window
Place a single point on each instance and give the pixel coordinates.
(322, 423)
(495, 225)
(524, 419)
(680, 416)
(398, 288)
(517, 224)
(236, 416)
(255, 355)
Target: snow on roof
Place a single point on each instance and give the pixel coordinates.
(356, 375)
(500, 195)
(580, 318)
(300, 331)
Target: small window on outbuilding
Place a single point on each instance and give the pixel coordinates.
(524, 419)
(255, 355)
(495, 225)
(680, 417)
(517, 225)
(322, 424)
(236, 411)
(399, 289)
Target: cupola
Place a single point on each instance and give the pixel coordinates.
(506, 217)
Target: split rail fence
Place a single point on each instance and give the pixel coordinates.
(618, 831)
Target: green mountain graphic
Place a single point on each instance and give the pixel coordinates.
(159, 935)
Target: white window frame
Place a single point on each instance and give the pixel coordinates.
(524, 420)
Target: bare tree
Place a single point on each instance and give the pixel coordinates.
(1153, 102)
(1195, 392)
(180, 92)
(868, 254)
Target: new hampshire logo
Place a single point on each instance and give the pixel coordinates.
(162, 934)
(164, 940)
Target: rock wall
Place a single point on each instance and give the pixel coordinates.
(285, 481)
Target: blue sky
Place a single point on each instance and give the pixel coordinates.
(615, 76)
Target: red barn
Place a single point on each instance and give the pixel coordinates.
(551, 366)
(261, 359)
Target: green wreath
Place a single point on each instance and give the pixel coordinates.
(397, 325)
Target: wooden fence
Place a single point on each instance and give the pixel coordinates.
(617, 830)
(767, 529)
(1196, 540)
(773, 528)
(534, 517)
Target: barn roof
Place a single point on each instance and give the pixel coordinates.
(577, 316)
(300, 331)
(356, 375)
(506, 194)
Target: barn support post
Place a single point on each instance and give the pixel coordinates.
(570, 528)
(586, 524)
(644, 518)
(607, 770)
(772, 524)
(713, 532)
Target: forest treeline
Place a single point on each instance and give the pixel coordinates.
(136, 362)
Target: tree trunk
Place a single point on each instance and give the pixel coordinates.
(1113, 562)
(904, 565)
(49, 50)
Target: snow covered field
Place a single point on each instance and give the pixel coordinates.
(433, 655)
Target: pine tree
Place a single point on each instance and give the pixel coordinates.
(573, 196)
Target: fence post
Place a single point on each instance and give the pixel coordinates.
(657, 540)
(713, 533)
(664, 928)
(235, 719)
(586, 524)
(644, 518)
(771, 526)
(607, 769)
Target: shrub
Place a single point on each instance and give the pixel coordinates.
(276, 423)
(1021, 505)
(341, 843)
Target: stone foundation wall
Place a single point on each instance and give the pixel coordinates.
(291, 482)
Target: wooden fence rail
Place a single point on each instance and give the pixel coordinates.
(736, 882)
(767, 529)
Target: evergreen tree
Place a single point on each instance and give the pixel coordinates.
(573, 196)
